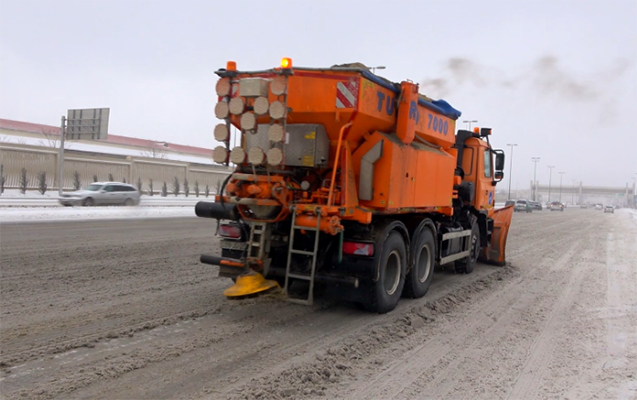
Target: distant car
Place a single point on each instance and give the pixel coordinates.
(102, 194)
(583, 206)
(609, 209)
(536, 205)
(556, 206)
(598, 206)
(523, 206)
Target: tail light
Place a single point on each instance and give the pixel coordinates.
(229, 231)
(358, 249)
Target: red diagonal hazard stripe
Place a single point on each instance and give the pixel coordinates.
(347, 94)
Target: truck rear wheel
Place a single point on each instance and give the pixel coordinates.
(392, 266)
(467, 264)
(422, 269)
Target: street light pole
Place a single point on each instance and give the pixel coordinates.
(634, 194)
(61, 157)
(573, 193)
(550, 175)
(375, 68)
(535, 161)
(470, 122)
(512, 145)
(561, 174)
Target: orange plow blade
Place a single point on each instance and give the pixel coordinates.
(495, 253)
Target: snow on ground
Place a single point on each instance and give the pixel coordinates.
(13, 198)
(34, 214)
(30, 194)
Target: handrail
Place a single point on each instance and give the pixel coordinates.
(338, 154)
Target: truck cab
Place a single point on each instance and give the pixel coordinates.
(480, 168)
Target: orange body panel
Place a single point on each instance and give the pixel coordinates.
(407, 108)
(408, 176)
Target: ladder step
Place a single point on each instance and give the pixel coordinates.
(305, 228)
(297, 276)
(303, 252)
(256, 244)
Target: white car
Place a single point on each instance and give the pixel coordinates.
(102, 194)
(609, 209)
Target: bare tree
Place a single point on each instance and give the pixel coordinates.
(176, 186)
(52, 139)
(153, 153)
(76, 180)
(24, 181)
(164, 190)
(2, 178)
(42, 186)
(156, 150)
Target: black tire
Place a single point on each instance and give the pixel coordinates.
(467, 264)
(128, 202)
(392, 264)
(423, 260)
(88, 202)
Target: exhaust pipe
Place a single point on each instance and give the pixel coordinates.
(216, 260)
(206, 209)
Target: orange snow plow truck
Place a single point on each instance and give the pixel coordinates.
(349, 184)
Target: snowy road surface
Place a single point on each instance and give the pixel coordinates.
(124, 310)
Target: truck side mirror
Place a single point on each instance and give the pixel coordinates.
(499, 160)
(498, 175)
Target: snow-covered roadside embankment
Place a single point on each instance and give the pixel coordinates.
(26, 214)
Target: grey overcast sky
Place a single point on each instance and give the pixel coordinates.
(557, 78)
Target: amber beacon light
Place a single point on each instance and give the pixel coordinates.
(286, 63)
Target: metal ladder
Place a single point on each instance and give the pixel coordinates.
(259, 242)
(291, 250)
